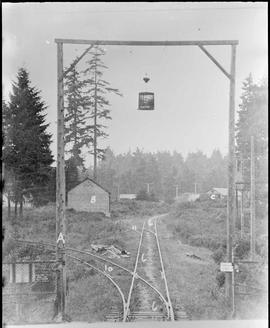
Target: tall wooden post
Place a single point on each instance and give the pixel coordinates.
(60, 188)
(231, 177)
(236, 207)
(176, 192)
(252, 199)
(195, 187)
(242, 198)
(242, 213)
(118, 192)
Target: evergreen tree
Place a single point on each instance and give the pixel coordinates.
(26, 153)
(98, 90)
(106, 172)
(198, 164)
(76, 128)
(253, 122)
(216, 173)
(72, 176)
(5, 119)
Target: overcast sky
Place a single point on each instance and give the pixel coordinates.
(191, 93)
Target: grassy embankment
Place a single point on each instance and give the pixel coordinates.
(201, 227)
(90, 294)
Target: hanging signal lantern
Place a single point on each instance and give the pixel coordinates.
(146, 99)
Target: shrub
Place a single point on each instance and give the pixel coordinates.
(242, 248)
(212, 243)
(262, 247)
(203, 198)
(218, 255)
(142, 195)
(188, 205)
(220, 278)
(196, 240)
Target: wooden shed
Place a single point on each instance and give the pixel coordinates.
(218, 193)
(29, 290)
(89, 196)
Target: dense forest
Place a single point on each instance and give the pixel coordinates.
(161, 173)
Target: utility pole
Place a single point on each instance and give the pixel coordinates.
(60, 190)
(242, 200)
(236, 205)
(176, 192)
(148, 187)
(118, 192)
(60, 182)
(242, 214)
(252, 199)
(95, 126)
(195, 187)
(231, 178)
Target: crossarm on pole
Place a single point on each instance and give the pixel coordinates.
(215, 61)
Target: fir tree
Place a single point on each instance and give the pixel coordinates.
(98, 89)
(253, 122)
(76, 129)
(26, 153)
(72, 176)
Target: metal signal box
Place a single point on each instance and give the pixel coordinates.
(146, 101)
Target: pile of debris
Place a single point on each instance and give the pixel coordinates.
(110, 251)
(194, 256)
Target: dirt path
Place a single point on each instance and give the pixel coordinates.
(191, 274)
(147, 269)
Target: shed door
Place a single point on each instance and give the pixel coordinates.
(22, 272)
(93, 199)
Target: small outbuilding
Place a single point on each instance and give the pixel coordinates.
(218, 193)
(89, 196)
(127, 196)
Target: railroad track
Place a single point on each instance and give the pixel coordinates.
(148, 282)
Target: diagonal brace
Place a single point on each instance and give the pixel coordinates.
(75, 62)
(215, 61)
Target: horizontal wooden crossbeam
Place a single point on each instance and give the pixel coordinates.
(149, 43)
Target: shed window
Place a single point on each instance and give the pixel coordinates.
(22, 272)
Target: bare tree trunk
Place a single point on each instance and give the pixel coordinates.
(21, 208)
(8, 197)
(95, 131)
(16, 208)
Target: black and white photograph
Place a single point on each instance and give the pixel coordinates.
(134, 164)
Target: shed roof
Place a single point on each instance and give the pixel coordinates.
(91, 181)
(127, 196)
(222, 191)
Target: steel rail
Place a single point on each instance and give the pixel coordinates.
(121, 267)
(125, 269)
(163, 270)
(107, 276)
(134, 274)
(101, 259)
